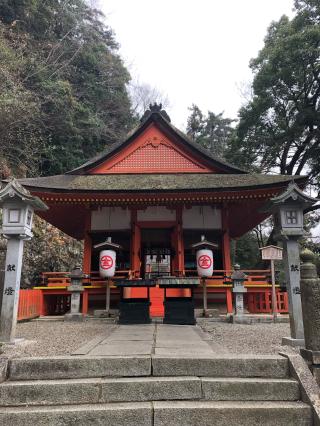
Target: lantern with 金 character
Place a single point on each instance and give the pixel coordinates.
(107, 268)
(204, 254)
(107, 263)
(205, 263)
(107, 258)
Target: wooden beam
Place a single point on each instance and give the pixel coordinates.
(87, 245)
(226, 252)
(135, 244)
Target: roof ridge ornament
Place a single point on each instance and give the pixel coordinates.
(155, 109)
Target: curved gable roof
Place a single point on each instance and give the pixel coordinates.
(161, 120)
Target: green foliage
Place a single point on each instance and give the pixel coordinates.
(212, 131)
(62, 76)
(245, 252)
(279, 127)
(63, 98)
(49, 250)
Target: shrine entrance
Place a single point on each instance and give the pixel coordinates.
(156, 261)
(156, 252)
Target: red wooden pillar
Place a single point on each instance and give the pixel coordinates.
(87, 245)
(85, 302)
(135, 245)
(229, 301)
(226, 253)
(135, 261)
(179, 244)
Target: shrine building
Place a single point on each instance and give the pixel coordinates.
(155, 194)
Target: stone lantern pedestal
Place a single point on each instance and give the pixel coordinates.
(288, 209)
(238, 278)
(76, 288)
(18, 206)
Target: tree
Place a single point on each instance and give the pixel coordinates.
(279, 128)
(245, 251)
(21, 137)
(212, 131)
(49, 250)
(69, 71)
(142, 95)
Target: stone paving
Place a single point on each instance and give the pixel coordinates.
(149, 339)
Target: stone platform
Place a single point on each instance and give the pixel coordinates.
(149, 339)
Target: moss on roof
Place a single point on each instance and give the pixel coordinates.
(157, 182)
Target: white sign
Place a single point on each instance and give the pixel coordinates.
(271, 253)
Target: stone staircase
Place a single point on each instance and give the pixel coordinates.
(151, 390)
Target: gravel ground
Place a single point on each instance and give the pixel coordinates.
(49, 338)
(247, 339)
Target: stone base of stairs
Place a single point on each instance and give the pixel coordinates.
(175, 379)
(162, 413)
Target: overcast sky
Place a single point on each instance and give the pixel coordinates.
(193, 51)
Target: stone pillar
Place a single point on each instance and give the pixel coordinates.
(291, 257)
(310, 299)
(76, 289)
(3, 248)
(10, 297)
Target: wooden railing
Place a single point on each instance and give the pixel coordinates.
(261, 302)
(255, 277)
(258, 284)
(61, 279)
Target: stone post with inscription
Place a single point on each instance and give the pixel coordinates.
(3, 249)
(310, 299)
(18, 206)
(287, 209)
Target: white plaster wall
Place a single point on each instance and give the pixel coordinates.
(110, 218)
(201, 217)
(156, 213)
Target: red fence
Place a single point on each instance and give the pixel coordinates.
(29, 304)
(262, 302)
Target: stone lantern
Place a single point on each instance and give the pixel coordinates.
(18, 206)
(75, 288)
(288, 210)
(238, 278)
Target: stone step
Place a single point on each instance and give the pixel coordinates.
(144, 365)
(228, 366)
(208, 413)
(93, 391)
(162, 413)
(102, 390)
(115, 414)
(72, 367)
(249, 389)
